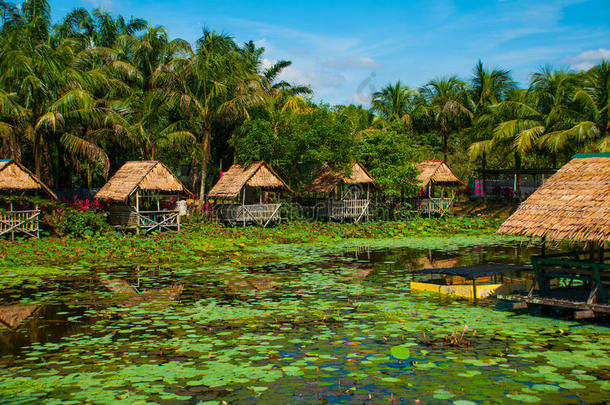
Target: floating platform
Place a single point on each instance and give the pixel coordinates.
(473, 282)
(568, 280)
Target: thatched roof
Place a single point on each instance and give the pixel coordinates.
(329, 178)
(258, 175)
(148, 175)
(573, 204)
(437, 172)
(16, 177)
(13, 316)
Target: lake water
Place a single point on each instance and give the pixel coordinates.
(308, 324)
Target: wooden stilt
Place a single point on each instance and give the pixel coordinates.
(243, 206)
(138, 211)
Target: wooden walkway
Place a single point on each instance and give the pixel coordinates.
(583, 284)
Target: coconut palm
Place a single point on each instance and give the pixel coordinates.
(97, 29)
(586, 116)
(447, 106)
(394, 102)
(487, 89)
(215, 84)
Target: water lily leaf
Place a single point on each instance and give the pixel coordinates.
(400, 352)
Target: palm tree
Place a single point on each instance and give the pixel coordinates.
(589, 114)
(447, 105)
(487, 89)
(394, 102)
(97, 29)
(519, 129)
(217, 83)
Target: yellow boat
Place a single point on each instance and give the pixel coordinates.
(472, 282)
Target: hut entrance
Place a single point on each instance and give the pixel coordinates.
(156, 212)
(143, 195)
(338, 197)
(249, 196)
(437, 195)
(352, 204)
(19, 215)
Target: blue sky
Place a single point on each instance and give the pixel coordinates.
(346, 49)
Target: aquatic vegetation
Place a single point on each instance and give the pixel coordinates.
(310, 322)
(213, 244)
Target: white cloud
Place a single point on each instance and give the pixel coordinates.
(103, 4)
(587, 59)
(319, 79)
(355, 62)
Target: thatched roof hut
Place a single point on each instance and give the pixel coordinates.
(147, 175)
(573, 204)
(16, 177)
(437, 172)
(13, 316)
(329, 178)
(257, 175)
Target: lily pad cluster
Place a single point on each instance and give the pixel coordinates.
(296, 324)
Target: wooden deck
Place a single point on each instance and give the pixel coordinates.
(429, 206)
(355, 210)
(258, 214)
(20, 223)
(146, 221)
(582, 284)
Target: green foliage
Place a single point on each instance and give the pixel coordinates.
(390, 158)
(75, 222)
(298, 144)
(272, 320)
(81, 97)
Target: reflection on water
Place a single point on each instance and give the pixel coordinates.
(313, 326)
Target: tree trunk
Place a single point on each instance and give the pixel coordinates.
(518, 175)
(484, 167)
(36, 147)
(445, 136)
(205, 152)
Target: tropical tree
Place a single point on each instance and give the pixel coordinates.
(394, 102)
(217, 83)
(586, 116)
(487, 89)
(446, 104)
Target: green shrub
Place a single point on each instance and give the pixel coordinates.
(69, 221)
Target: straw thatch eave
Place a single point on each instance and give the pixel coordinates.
(258, 175)
(437, 172)
(16, 177)
(147, 175)
(573, 204)
(329, 178)
(14, 315)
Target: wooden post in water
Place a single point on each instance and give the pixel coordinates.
(474, 288)
(12, 215)
(544, 246)
(243, 206)
(138, 211)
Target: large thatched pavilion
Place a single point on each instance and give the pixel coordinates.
(573, 205)
(249, 195)
(17, 215)
(143, 196)
(340, 196)
(438, 184)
